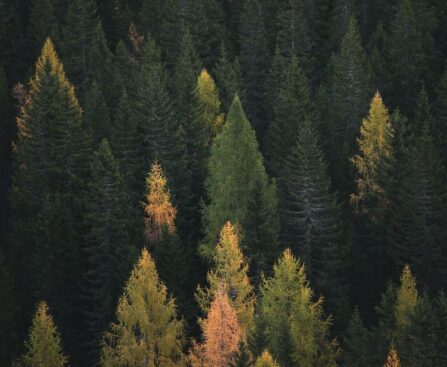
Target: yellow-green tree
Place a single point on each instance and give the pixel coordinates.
(147, 331)
(375, 146)
(43, 347)
(230, 272)
(265, 360)
(406, 299)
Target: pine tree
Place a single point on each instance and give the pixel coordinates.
(43, 347)
(392, 360)
(312, 219)
(230, 274)
(96, 116)
(78, 38)
(107, 250)
(357, 343)
(230, 179)
(417, 225)
(351, 85)
(254, 63)
(294, 328)
(265, 360)
(221, 335)
(50, 165)
(293, 34)
(375, 145)
(147, 330)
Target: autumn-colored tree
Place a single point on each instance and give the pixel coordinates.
(221, 335)
(392, 360)
(406, 299)
(230, 273)
(375, 145)
(160, 213)
(147, 331)
(265, 360)
(43, 347)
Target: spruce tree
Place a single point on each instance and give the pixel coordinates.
(230, 275)
(294, 328)
(351, 93)
(312, 219)
(357, 346)
(96, 115)
(254, 63)
(42, 24)
(440, 116)
(147, 330)
(43, 346)
(231, 179)
(293, 34)
(107, 249)
(7, 311)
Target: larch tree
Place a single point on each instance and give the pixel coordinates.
(147, 331)
(372, 163)
(107, 249)
(43, 346)
(406, 299)
(265, 360)
(392, 360)
(230, 275)
(221, 335)
(290, 323)
(232, 179)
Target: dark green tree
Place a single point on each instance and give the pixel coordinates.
(440, 117)
(42, 24)
(96, 117)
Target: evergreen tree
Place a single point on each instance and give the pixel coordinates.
(265, 360)
(294, 328)
(372, 164)
(440, 117)
(293, 34)
(312, 219)
(147, 330)
(231, 179)
(107, 249)
(351, 85)
(78, 38)
(170, 28)
(221, 334)
(254, 63)
(7, 310)
(357, 343)
(230, 274)
(96, 114)
(43, 347)
(42, 24)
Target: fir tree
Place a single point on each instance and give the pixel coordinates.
(312, 219)
(221, 334)
(265, 360)
(43, 24)
(230, 274)
(43, 347)
(294, 328)
(440, 116)
(351, 85)
(96, 114)
(147, 330)
(231, 179)
(254, 63)
(357, 343)
(107, 249)
(171, 26)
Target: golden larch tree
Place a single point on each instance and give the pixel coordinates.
(392, 360)
(160, 213)
(265, 360)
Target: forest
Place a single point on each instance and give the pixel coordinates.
(223, 183)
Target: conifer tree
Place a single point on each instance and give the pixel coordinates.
(265, 360)
(108, 250)
(230, 275)
(312, 219)
(43, 24)
(96, 116)
(147, 330)
(221, 335)
(375, 145)
(440, 116)
(293, 34)
(43, 347)
(228, 78)
(293, 326)
(231, 179)
(78, 38)
(357, 346)
(392, 360)
(351, 84)
(50, 164)
(254, 63)
(171, 26)
(406, 299)
(7, 308)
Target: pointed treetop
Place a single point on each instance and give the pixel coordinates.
(392, 360)
(265, 360)
(160, 213)
(407, 298)
(44, 342)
